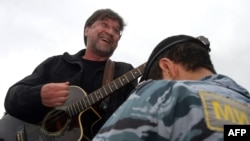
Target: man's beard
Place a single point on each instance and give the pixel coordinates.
(104, 52)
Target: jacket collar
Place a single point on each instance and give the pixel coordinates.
(74, 58)
(227, 82)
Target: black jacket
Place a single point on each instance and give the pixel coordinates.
(23, 99)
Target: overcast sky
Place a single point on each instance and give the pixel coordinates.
(32, 30)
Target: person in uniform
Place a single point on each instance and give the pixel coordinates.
(181, 97)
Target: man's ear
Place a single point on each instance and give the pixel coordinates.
(167, 67)
(85, 31)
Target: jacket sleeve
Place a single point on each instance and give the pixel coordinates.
(23, 99)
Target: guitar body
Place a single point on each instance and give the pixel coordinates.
(13, 129)
(81, 125)
(77, 128)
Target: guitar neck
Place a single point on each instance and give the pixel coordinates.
(105, 90)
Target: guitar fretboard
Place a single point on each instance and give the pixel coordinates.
(104, 91)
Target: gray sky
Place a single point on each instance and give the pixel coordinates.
(31, 31)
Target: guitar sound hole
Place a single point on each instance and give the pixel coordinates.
(56, 121)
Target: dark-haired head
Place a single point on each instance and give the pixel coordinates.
(102, 14)
(192, 53)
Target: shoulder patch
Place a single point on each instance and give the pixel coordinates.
(220, 111)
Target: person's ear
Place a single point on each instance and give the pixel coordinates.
(85, 33)
(167, 68)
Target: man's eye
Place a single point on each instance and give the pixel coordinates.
(104, 25)
(116, 31)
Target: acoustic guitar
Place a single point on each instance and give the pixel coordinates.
(73, 120)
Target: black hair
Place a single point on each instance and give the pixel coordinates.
(192, 53)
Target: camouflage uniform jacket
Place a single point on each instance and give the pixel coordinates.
(179, 110)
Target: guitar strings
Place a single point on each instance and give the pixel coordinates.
(56, 119)
(59, 115)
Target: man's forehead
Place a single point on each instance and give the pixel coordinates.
(110, 20)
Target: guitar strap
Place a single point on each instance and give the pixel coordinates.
(108, 72)
(107, 77)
